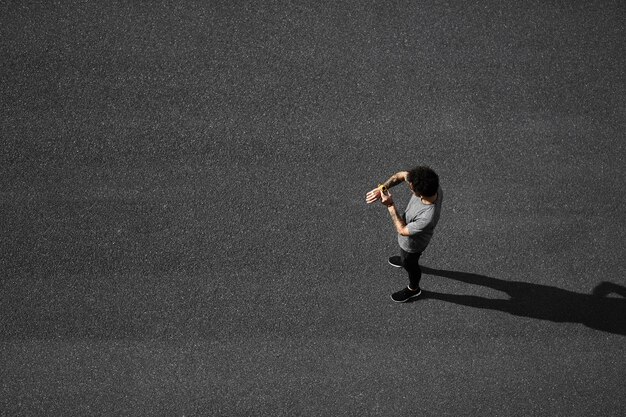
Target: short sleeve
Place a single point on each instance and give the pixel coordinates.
(420, 222)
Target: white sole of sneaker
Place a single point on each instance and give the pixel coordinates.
(411, 297)
(394, 265)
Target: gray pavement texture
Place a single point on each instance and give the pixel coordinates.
(183, 221)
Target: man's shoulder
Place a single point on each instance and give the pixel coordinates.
(421, 212)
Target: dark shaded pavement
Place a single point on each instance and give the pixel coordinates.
(543, 302)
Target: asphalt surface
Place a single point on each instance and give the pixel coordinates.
(184, 229)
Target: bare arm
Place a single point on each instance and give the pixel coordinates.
(394, 180)
(398, 222)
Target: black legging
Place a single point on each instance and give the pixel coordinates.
(410, 262)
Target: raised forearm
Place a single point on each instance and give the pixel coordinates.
(395, 179)
(398, 222)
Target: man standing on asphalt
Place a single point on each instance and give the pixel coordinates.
(416, 225)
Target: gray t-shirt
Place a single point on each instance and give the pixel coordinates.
(421, 220)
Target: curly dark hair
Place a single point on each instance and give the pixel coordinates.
(424, 180)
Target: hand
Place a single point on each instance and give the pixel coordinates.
(386, 199)
(373, 195)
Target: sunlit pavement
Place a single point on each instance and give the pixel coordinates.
(184, 227)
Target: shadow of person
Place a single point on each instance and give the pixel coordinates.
(543, 302)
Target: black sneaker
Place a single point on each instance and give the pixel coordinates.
(395, 261)
(405, 295)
